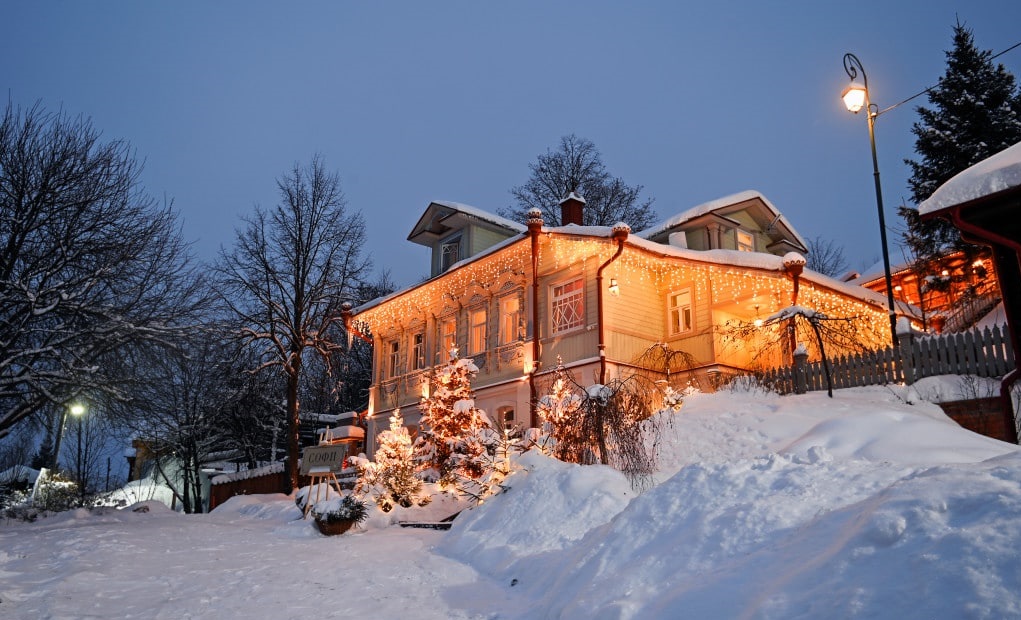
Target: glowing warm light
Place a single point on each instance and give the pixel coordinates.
(614, 287)
(758, 322)
(945, 273)
(854, 97)
(425, 388)
(77, 409)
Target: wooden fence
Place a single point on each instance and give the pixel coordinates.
(981, 352)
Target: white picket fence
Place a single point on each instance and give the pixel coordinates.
(981, 352)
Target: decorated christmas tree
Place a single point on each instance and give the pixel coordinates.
(394, 466)
(452, 442)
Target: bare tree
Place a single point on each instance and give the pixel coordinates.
(288, 273)
(610, 424)
(90, 266)
(578, 167)
(826, 257)
(181, 401)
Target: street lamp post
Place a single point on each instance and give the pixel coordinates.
(76, 410)
(856, 97)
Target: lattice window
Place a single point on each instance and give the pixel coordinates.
(567, 305)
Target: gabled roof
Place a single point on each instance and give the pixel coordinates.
(441, 217)
(722, 207)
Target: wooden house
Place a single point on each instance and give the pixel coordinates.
(518, 298)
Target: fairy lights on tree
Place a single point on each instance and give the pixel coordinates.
(453, 439)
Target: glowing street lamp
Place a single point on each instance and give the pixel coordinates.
(76, 409)
(856, 97)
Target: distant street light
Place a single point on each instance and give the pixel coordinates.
(76, 409)
(856, 97)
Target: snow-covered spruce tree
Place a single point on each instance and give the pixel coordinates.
(975, 113)
(558, 409)
(390, 477)
(452, 441)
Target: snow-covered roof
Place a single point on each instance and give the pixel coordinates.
(716, 205)
(992, 175)
(736, 258)
(432, 223)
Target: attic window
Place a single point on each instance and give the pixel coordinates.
(450, 252)
(745, 241)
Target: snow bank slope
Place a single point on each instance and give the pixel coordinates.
(860, 506)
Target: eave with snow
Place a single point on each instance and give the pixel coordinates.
(536, 294)
(984, 203)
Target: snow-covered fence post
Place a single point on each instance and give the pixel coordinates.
(800, 363)
(905, 351)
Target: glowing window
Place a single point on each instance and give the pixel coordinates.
(477, 333)
(679, 312)
(567, 305)
(510, 319)
(418, 351)
(448, 337)
(745, 241)
(393, 365)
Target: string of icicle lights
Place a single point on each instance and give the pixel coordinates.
(745, 288)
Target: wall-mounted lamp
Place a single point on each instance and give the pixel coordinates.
(614, 288)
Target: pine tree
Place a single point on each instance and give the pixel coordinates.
(451, 441)
(976, 113)
(391, 476)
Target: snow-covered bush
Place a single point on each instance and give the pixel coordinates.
(346, 508)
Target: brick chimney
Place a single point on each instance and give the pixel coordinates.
(571, 209)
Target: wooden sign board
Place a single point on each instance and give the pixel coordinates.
(323, 456)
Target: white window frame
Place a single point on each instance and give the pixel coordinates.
(447, 337)
(744, 247)
(477, 321)
(418, 350)
(564, 303)
(676, 313)
(393, 362)
(510, 319)
(448, 247)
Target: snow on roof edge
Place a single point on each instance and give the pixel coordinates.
(481, 214)
(996, 173)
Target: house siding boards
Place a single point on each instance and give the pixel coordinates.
(647, 272)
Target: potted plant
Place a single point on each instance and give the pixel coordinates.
(336, 516)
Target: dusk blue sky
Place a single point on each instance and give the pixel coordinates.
(415, 101)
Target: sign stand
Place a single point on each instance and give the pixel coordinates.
(318, 476)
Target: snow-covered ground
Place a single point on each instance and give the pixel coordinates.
(868, 505)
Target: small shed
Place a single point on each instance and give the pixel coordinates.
(984, 203)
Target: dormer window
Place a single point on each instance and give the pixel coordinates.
(745, 241)
(450, 252)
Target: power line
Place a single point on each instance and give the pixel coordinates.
(926, 91)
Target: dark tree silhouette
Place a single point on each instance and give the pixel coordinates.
(289, 272)
(576, 166)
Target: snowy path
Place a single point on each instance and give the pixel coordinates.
(165, 565)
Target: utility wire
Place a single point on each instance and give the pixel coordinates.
(926, 91)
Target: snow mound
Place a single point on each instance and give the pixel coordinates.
(549, 506)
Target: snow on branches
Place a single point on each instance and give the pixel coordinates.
(455, 434)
